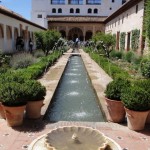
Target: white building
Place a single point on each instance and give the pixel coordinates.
(43, 8)
(13, 25)
(125, 20)
(73, 18)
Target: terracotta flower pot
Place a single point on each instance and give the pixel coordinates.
(136, 119)
(116, 112)
(148, 118)
(14, 115)
(2, 113)
(33, 109)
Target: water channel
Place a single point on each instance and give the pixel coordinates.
(74, 98)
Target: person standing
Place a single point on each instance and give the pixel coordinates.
(30, 45)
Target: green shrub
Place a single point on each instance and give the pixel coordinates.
(122, 40)
(116, 54)
(39, 53)
(34, 90)
(144, 84)
(137, 60)
(22, 60)
(145, 67)
(129, 56)
(11, 76)
(135, 39)
(112, 69)
(114, 88)
(135, 98)
(12, 94)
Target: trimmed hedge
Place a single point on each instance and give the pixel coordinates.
(112, 69)
(36, 70)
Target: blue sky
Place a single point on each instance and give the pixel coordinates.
(23, 7)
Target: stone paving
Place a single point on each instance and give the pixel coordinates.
(19, 138)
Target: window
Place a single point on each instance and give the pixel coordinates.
(39, 16)
(110, 8)
(136, 9)
(113, 1)
(123, 1)
(89, 11)
(76, 2)
(53, 10)
(59, 10)
(95, 11)
(77, 10)
(57, 1)
(122, 19)
(93, 2)
(71, 10)
(119, 21)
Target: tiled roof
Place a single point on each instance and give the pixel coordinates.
(8, 10)
(75, 19)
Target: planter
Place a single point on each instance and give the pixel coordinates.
(14, 115)
(116, 111)
(2, 113)
(33, 109)
(136, 119)
(148, 119)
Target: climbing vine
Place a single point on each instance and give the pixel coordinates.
(122, 40)
(146, 31)
(135, 39)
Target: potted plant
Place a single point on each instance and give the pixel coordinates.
(137, 104)
(116, 112)
(8, 78)
(13, 102)
(144, 84)
(35, 93)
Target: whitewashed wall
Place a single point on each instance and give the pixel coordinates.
(44, 7)
(127, 21)
(8, 44)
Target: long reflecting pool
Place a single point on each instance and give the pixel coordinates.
(74, 98)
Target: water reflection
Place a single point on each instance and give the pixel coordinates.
(74, 99)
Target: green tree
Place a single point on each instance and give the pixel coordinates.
(103, 41)
(46, 40)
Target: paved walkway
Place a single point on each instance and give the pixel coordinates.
(19, 138)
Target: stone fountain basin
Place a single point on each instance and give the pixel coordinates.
(74, 138)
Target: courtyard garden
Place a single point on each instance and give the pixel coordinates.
(19, 73)
(131, 80)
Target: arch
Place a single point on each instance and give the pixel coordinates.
(53, 10)
(1, 31)
(75, 33)
(59, 10)
(89, 11)
(77, 10)
(88, 35)
(71, 10)
(1, 37)
(16, 34)
(9, 38)
(29, 35)
(63, 33)
(95, 11)
(8, 32)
